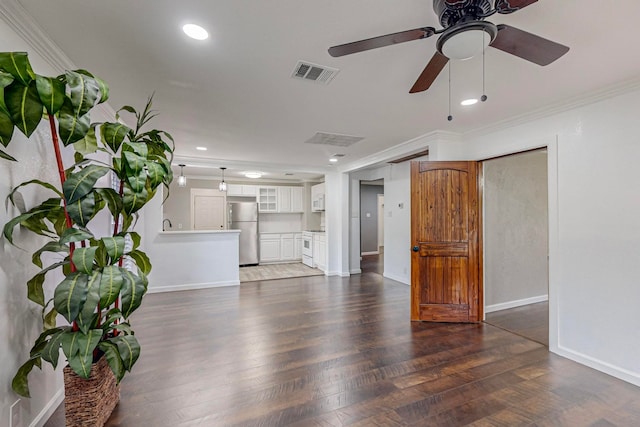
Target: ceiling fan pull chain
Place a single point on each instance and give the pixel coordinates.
(450, 117)
(484, 93)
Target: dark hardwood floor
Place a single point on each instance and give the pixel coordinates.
(320, 351)
(372, 263)
(530, 321)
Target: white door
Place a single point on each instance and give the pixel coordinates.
(207, 209)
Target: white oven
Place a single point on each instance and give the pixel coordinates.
(307, 248)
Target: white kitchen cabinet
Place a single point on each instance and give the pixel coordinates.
(317, 197)
(284, 199)
(320, 251)
(270, 247)
(280, 247)
(297, 199)
(241, 190)
(267, 199)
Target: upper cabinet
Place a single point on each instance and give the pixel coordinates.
(241, 190)
(281, 199)
(317, 197)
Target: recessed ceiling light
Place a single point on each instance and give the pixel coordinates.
(253, 175)
(195, 31)
(333, 160)
(470, 101)
(201, 148)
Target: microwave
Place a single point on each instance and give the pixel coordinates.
(317, 204)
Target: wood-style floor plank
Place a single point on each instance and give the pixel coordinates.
(320, 351)
(530, 321)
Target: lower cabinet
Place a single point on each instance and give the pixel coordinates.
(277, 247)
(320, 251)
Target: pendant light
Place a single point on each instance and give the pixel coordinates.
(223, 185)
(182, 180)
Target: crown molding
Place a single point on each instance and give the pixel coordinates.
(592, 97)
(27, 28)
(212, 163)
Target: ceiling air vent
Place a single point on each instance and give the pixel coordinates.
(313, 72)
(333, 139)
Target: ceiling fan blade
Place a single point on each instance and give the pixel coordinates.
(510, 6)
(528, 46)
(430, 72)
(381, 41)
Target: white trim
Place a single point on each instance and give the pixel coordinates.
(192, 286)
(607, 368)
(48, 409)
(370, 253)
(516, 303)
(355, 271)
(337, 273)
(402, 279)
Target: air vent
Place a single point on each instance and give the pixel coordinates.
(313, 72)
(334, 139)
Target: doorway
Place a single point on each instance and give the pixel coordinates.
(372, 226)
(516, 244)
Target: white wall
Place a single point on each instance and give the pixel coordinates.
(515, 223)
(337, 223)
(594, 206)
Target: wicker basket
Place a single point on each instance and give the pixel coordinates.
(89, 402)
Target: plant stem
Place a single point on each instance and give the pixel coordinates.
(56, 147)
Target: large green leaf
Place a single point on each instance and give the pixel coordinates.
(113, 134)
(70, 295)
(114, 246)
(17, 64)
(110, 285)
(81, 183)
(142, 260)
(47, 185)
(82, 360)
(83, 259)
(104, 89)
(133, 289)
(20, 383)
(6, 132)
(113, 199)
(49, 319)
(86, 316)
(48, 247)
(156, 173)
(35, 212)
(129, 349)
(113, 358)
(75, 235)
(35, 291)
(72, 128)
(83, 210)
(134, 201)
(88, 144)
(139, 148)
(51, 351)
(135, 239)
(24, 105)
(5, 80)
(51, 92)
(84, 92)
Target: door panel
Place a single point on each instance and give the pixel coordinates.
(445, 266)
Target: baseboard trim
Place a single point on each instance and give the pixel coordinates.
(607, 368)
(370, 253)
(49, 409)
(516, 303)
(192, 286)
(402, 279)
(355, 271)
(338, 273)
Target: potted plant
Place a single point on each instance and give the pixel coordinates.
(105, 276)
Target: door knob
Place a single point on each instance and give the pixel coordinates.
(415, 248)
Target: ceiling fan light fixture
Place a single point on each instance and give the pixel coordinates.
(470, 101)
(466, 40)
(195, 31)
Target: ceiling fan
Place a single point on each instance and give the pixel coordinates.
(465, 33)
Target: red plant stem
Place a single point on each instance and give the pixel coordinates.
(63, 178)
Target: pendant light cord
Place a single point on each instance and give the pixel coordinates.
(450, 117)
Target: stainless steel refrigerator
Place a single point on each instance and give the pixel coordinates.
(244, 216)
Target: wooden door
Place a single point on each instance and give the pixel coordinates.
(446, 258)
(207, 209)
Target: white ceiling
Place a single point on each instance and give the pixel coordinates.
(233, 93)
